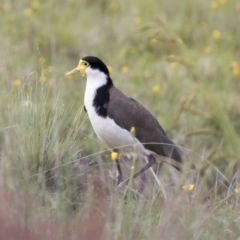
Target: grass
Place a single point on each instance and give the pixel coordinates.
(179, 59)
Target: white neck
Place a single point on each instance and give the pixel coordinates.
(95, 79)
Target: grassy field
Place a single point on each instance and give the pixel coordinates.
(180, 59)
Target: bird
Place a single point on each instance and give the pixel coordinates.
(115, 117)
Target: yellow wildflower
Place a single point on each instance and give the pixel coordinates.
(137, 20)
(207, 49)
(114, 6)
(235, 68)
(188, 188)
(42, 60)
(172, 65)
(171, 58)
(124, 69)
(154, 40)
(179, 41)
(222, 1)
(114, 156)
(28, 12)
(216, 34)
(16, 83)
(156, 89)
(237, 190)
(35, 5)
(235, 71)
(234, 64)
(42, 79)
(213, 4)
(110, 69)
(133, 131)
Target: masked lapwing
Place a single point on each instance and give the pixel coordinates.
(113, 115)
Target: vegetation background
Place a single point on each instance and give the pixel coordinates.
(180, 59)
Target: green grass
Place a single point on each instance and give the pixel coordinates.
(189, 49)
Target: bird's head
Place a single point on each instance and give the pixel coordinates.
(90, 67)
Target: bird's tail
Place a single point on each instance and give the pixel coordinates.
(177, 154)
(172, 151)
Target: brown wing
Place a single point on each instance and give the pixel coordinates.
(127, 113)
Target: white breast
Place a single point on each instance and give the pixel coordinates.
(93, 83)
(114, 136)
(106, 129)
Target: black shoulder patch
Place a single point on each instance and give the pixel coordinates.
(101, 99)
(84, 108)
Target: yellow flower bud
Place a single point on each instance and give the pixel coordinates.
(114, 156)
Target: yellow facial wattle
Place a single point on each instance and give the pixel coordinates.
(80, 68)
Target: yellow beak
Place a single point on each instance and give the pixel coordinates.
(80, 68)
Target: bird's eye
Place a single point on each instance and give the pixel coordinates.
(85, 64)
